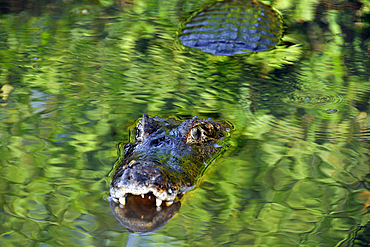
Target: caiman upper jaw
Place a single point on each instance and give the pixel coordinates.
(140, 178)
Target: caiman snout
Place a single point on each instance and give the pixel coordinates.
(141, 178)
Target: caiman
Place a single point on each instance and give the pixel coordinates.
(161, 165)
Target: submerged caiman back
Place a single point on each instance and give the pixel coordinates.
(165, 159)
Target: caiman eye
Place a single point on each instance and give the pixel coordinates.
(195, 133)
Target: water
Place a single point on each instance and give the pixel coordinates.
(76, 75)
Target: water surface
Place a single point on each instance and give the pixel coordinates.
(76, 75)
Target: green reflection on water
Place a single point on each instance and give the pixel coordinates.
(82, 73)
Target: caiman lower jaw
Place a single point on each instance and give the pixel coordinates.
(142, 214)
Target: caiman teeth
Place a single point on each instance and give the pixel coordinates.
(122, 200)
(158, 202)
(142, 196)
(169, 203)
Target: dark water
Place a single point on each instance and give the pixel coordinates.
(75, 75)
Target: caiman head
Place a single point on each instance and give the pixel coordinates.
(165, 160)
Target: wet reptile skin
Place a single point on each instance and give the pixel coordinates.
(166, 156)
(160, 166)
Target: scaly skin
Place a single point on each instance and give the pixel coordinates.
(166, 157)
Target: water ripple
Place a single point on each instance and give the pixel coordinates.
(312, 99)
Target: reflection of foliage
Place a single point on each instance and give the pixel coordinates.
(80, 74)
(304, 11)
(277, 58)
